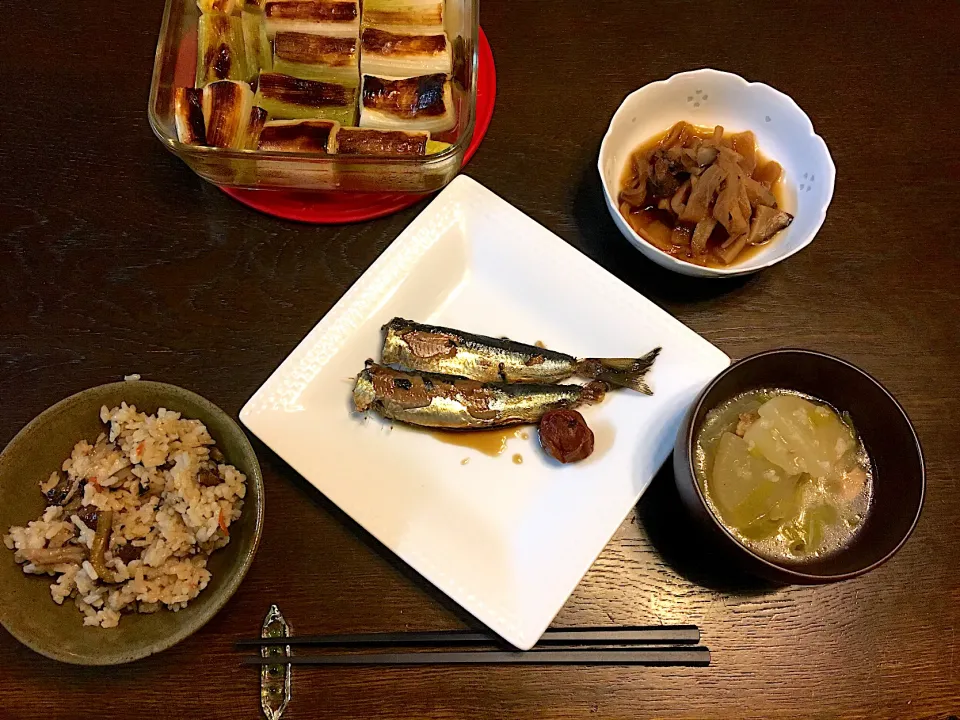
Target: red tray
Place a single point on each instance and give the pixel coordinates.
(334, 208)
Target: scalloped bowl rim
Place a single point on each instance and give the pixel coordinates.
(669, 261)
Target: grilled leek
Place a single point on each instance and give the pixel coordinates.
(425, 14)
(364, 141)
(226, 111)
(316, 136)
(227, 7)
(188, 116)
(287, 97)
(402, 55)
(435, 146)
(316, 57)
(219, 48)
(255, 125)
(256, 45)
(417, 103)
(333, 18)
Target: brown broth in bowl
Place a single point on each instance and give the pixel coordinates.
(736, 212)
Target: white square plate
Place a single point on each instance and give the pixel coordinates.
(509, 542)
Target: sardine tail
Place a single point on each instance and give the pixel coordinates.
(624, 372)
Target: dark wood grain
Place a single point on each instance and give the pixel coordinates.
(115, 258)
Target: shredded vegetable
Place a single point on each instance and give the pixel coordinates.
(101, 541)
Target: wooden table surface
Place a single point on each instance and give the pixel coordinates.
(115, 258)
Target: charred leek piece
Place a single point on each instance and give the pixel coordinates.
(256, 46)
(316, 57)
(364, 141)
(288, 97)
(333, 18)
(227, 7)
(188, 116)
(258, 120)
(299, 136)
(401, 55)
(226, 109)
(435, 146)
(219, 48)
(404, 13)
(417, 103)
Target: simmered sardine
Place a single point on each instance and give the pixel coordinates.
(455, 403)
(429, 348)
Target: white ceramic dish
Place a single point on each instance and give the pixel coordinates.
(710, 97)
(508, 542)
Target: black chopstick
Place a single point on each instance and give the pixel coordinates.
(648, 635)
(686, 656)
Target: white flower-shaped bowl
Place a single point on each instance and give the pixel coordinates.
(710, 97)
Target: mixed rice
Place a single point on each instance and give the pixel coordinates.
(133, 518)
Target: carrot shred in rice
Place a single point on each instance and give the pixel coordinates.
(222, 523)
(140, 448)
(93, 480)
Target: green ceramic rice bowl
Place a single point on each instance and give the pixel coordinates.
(27, 609)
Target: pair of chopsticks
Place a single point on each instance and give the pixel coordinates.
(656, 645)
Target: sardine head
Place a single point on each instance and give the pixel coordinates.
(363, 393)
(593, 392)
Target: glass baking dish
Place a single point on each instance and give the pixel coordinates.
(175, 65)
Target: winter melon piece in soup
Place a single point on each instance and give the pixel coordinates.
(799, 436)
(752, 495)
